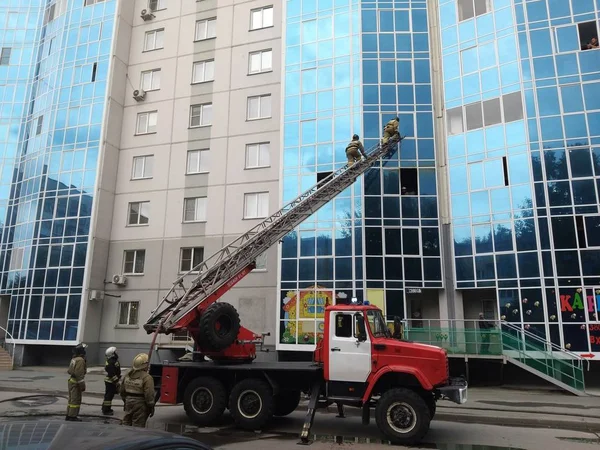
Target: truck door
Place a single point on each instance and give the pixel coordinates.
(349, 356)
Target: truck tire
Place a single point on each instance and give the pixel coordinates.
(286, 403)
(431, 404)
(204, 400)
(219, 326)
(251, 404)
(402, 416)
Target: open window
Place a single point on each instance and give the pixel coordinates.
(343, 325)
(409, 181)
(588, 35)
(321, 177)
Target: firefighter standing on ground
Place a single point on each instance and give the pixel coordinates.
(354, 149)
(111, 381)
(137, 391)
(77, 370)
(390, 130)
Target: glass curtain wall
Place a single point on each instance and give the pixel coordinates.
(52, 111)
(521, 95)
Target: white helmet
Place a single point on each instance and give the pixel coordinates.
(110, 352)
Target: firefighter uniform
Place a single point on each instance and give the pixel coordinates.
(77, 370)
(137, 391)
(390, 130)
(354, 149)
(111, 381)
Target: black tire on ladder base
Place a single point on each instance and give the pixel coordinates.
(251, 404)
(219, 326)
(205, 400)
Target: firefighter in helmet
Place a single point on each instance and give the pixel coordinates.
(77, 370)
(137, 391)
(354, 149)
(390, 130)
(111, 381)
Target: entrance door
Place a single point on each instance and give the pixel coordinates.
(349, 359)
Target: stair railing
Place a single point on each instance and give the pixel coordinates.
(5, 343)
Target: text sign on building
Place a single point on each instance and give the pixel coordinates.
(414, 291)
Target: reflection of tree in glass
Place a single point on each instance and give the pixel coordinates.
(345, 223)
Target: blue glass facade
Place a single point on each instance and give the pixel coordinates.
(522, 94)
(52, 101)
(350, 66)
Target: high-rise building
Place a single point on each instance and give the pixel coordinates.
(140, 136)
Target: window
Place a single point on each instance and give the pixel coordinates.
(474, 116)
(455, 121)
(492, 112)
(197, 161)
(513, 107)
(261, 18)
(5, 56)
(146, 122)
(133, 262)
(189, 258)
(343, 325)
(154, 40)
(261, 61)
(256, 205)
(257, 155)
(261, 262)
(588, 35)
(200, 115)
(203, 71)
(40, 123)
(94, 71)
(142, 167)
(16, 258)
(409, 181)
(138, 213)
(128, 313)
(92, 2)
(150, 80)
(206, 29)
(259, 107)
(194, 209)
(157, 5)
(467, 9)
(49, 14)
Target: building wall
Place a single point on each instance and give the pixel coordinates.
(524, 174)
(226, 178)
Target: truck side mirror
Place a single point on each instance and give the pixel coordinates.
(360, 331)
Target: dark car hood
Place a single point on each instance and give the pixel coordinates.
(55, 435)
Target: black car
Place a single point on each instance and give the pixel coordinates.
(50, 435)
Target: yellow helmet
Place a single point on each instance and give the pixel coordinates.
(140, 361)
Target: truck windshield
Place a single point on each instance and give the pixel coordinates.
(377, 324)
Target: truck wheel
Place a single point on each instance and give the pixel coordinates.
(402, 416)
(286, 403)
(219, 326)
(431, 404)
(251, 404)
(204, 400)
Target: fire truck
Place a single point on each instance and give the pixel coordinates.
(358, 362)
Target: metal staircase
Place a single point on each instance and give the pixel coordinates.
(543, 358)
(226, 267)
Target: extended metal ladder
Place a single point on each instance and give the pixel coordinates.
(226, 267)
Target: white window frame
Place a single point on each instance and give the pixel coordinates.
(261, 100)
(142, 212)
(145, 167)
(261, 56)
(154, 76)
(154, 34)
(203, 122)
(160, 5)
(137, 253)
(261, 262)
(254, 161)
(260, 24)
(201, 163)
(149, 129)
(128, 305)
(206, 68)
(260, 210)
(200, 207)
(191, 260)
(209, 31)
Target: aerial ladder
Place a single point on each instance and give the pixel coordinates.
(215, 326)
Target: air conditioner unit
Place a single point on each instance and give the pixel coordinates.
(139, 95)
(96, 295)
(119, 280)
(146, 15)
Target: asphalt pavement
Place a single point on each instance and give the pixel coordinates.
(497, 418)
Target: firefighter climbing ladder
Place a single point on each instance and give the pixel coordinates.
(217, 274)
